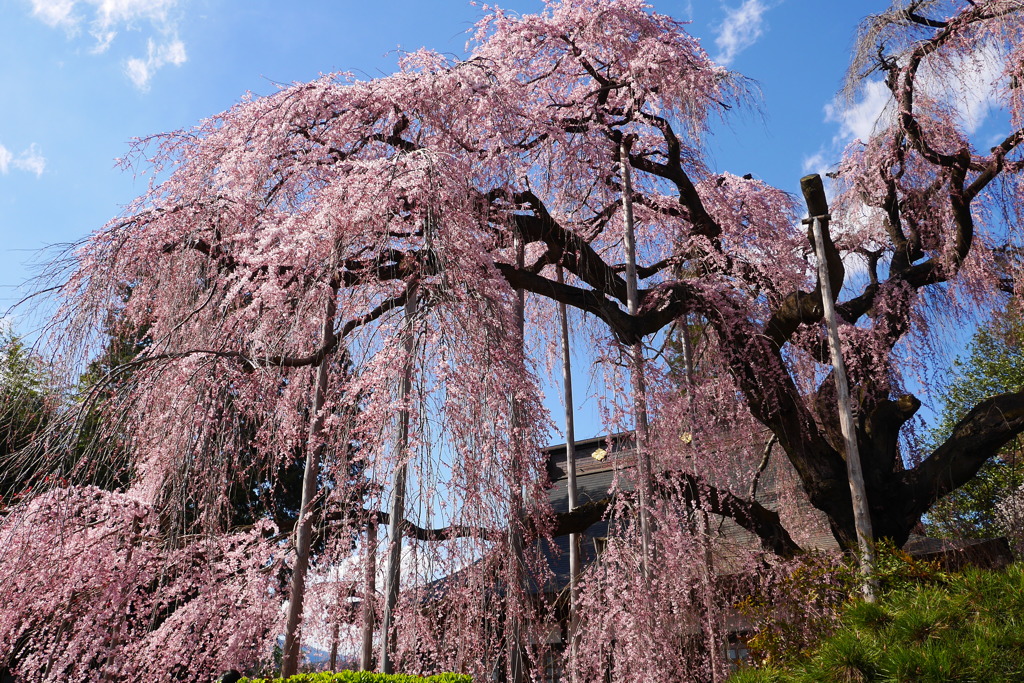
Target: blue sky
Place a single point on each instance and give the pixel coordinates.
(83, 77)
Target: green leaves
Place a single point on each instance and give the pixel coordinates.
(994, 364)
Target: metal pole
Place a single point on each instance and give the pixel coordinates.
(815, 194)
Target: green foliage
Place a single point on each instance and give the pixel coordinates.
(967, 627)
(803, 603)
(363, 677)
(897, 570)
(792, 607)
(27, 406)
(994, 365)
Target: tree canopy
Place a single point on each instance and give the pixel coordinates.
(273, 265)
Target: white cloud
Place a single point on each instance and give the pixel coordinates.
(740, 29)
(55, 12)
(105, 19)
(816, 163)
(30, 160)
(860, 120)
(969, 84)
(140, 71)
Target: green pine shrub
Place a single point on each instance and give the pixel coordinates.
(966, 627)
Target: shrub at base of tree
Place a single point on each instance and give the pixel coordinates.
(363, 677)
(965, 628)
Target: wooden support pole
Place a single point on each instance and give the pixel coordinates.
(369, 594)
(639, 384)
(513, 624)
(335, 633)
(570, 468)
(310, 489)
(814, 194)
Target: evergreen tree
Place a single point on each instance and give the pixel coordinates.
(27, 405)
(994, 364)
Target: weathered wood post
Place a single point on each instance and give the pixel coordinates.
(638, 381)
(817, 207)
(570, 468)
(310, 486)
(369, 592)
(513, 624)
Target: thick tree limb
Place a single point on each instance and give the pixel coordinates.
(748, 514)
(974, 439)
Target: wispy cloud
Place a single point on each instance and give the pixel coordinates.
(816, 163)
(739, 30)
(968, 84)
(30, 160)
(105, 19)
(140, 71)
(859, 120)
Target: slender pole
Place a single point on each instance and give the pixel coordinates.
(516, 661)
(815, 194)
(369, 594)
(389, 633)
(639, 384)
(310, 488)
(570, 467)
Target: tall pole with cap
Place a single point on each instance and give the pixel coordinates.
(817, 207)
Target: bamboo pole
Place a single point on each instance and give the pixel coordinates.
(389, 633)
(814, 193)
(639, 384)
